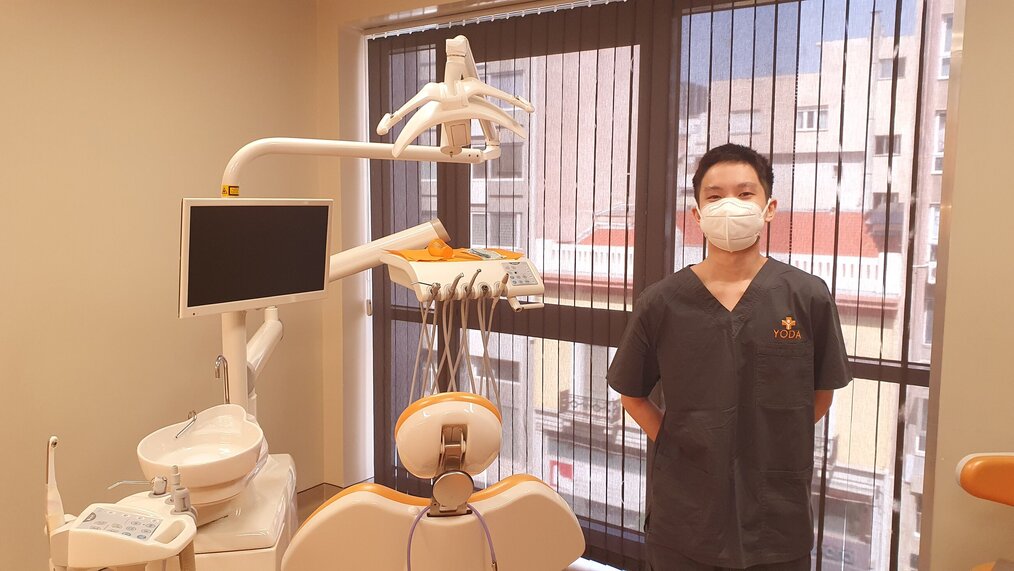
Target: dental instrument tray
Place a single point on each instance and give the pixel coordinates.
(470, 273)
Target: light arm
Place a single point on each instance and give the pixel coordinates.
(475, 87)
(429, 92)
(432, 114)
(329, 148)
(821, 404)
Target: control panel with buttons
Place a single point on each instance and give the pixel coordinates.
(520, 273)
(122, 523)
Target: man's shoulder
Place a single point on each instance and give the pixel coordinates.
(664, 289)
(798, 281)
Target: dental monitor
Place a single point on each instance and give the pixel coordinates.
(238, 253)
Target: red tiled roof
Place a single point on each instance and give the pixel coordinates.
(806, 239)
(615, 237)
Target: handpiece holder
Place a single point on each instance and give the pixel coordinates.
(453, 486)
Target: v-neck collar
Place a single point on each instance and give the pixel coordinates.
(744, 307)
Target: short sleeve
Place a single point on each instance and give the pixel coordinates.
(634, 370)
(831, 364)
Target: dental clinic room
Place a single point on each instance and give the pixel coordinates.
(506, 285)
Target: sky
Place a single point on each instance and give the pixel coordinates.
(748, 35)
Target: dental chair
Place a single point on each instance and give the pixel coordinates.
(517, 524)
(990, 477)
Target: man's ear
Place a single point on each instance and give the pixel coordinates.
(696, 213)
(769, 215)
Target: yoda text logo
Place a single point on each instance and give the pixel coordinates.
(789, 331)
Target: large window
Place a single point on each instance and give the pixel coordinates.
(628, 97)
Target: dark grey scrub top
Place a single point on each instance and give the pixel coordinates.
(734, 459)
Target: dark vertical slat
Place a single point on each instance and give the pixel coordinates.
(792, 183)
(607, 32)
(587, 27)
(557, 21)
(398, 92)
(837, 226)
(899, 446)
(711, 65)
(774, 104)
(869, 91)
(659, 246)
(626, 23)
(644, 33)
(813, 242)
(380, 386)
(907, 315)
(687, 176)
(670, 30)
(540, 30)
(732, 57)
(841, 140)
(753, 74)
(571, 38)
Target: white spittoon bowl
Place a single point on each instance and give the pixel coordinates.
(219, 449)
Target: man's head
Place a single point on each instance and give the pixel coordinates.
(732, 154)
(733, 191)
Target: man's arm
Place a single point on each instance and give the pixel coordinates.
(821, 404)
(645, 414)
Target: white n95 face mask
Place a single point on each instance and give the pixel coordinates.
(732, 224)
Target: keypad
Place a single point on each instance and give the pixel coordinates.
(120, 523)
(520, 273)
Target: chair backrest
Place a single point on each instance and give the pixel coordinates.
(367, 527)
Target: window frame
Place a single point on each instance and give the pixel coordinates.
(653, 250)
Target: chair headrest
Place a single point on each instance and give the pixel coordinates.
(417, 433)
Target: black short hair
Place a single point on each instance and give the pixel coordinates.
(732, 153)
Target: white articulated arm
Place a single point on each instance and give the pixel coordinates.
(433, 114)
(473, 86)
(453, 104)
(429, 92)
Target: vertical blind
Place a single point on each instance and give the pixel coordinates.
(843, 96)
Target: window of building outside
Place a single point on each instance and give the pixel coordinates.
(882, 145)
(744, 122)
(886, 68)
(812, 119)
(495, 229)
(946, 29)
(940, 124)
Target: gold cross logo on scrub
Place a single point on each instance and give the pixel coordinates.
(788, 332)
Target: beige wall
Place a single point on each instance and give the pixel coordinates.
(972, 386)
(110, 112)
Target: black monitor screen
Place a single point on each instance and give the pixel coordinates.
(251, 252)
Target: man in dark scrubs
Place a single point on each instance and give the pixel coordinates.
(748, 351)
